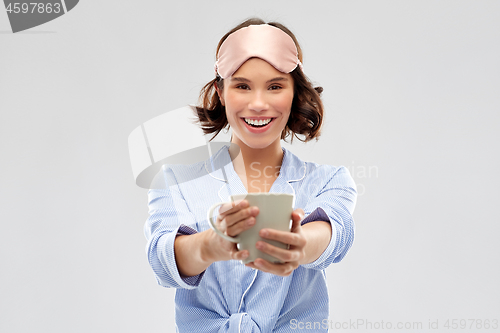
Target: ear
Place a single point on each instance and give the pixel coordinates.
(220, 93)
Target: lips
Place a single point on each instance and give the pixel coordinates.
(259, 129)
(258, 122)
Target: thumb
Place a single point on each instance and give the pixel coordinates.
(297, 216)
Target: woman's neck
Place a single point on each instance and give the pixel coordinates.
(257, 163)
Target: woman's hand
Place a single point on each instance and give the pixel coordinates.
(233, 218)
(291, 257)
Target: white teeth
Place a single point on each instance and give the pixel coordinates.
(258, 122)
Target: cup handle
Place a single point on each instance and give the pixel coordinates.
(214, 228)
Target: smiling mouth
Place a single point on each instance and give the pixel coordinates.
(258, 123)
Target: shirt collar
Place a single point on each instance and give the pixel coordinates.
(292, 170)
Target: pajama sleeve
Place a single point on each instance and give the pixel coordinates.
(332, 199)
(169, 216)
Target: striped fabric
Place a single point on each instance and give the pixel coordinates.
(228, 296)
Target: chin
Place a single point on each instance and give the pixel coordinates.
(258, 144)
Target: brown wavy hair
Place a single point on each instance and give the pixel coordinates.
(306, 115)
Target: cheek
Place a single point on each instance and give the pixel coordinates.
(284, 104)
(234, 101)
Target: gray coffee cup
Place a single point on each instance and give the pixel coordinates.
(275, 212)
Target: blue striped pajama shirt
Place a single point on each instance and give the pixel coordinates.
(228, 296)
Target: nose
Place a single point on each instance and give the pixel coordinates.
(258, 102)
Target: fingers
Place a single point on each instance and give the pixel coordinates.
(284, 237)
(239, 226)
(284, 269)
(232, 207)
(285, 255)
(239, 255)
(237, 217)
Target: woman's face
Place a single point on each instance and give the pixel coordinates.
(257, 92)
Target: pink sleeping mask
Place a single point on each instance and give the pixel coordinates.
(261, 41)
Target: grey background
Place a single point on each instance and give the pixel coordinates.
(412, 100)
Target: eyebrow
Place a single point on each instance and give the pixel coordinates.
(242, 79)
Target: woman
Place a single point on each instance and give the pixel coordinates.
(261, 92)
